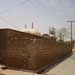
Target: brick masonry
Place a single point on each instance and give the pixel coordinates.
(30, 52)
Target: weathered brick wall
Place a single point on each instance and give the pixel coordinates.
(3, 44)
(48, 52)
(26, 51)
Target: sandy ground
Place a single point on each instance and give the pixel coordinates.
(66, 67)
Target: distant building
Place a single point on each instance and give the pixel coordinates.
(34, 31)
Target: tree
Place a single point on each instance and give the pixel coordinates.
(52, 31)
(62, 33)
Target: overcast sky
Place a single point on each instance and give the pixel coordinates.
(43, 13)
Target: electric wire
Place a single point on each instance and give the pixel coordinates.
(9, 9)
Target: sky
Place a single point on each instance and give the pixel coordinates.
(43, 13)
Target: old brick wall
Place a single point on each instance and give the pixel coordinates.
(3, 44)
(48, 52)
(29, 51)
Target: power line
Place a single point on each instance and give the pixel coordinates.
(6, 21)
(21, 3)
(3, 19)
(41, 3)
(38, 3)
(14, 7)
(9, 9)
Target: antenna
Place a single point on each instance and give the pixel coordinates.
(32, 25)
(25, 26)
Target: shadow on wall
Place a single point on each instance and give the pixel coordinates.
(2, 74)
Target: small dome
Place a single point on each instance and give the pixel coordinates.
(46, 35)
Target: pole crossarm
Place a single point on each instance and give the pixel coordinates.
(70, 21)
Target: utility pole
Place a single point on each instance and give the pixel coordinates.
(32, 25)
(71, 32)
(25, 26)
